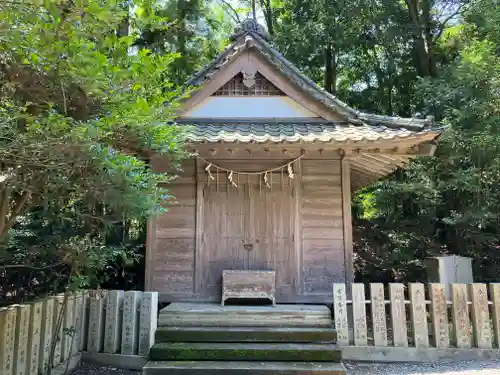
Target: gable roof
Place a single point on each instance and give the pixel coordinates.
(251, 36)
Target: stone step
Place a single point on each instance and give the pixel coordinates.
(243, 368)
(245, 334)
(245, 352)
(212, 315)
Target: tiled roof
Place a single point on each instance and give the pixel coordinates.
(293, 131)
(249, 37)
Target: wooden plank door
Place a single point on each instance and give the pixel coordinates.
(271, 231)
(225, 230)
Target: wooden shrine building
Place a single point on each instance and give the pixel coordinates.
(270, 189)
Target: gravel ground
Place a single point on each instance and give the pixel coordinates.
(486, 367)
(86, 369)
(441, 368)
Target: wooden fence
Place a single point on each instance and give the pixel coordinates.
(113, 322)
(418, 315)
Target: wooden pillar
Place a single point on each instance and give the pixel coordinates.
(359, 314)
(112, 330)
(150, 253)
(34, 338)
(439, 315)
(47, 334)
(419, 315)
(7, 339)
(460, 316)
(96, 322)
(398, 315)
(21, 345)
(347, 219)
(198, 266)
(379, 319)
(148, 320)
(130, 324)
(340, 313)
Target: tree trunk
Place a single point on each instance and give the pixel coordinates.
(268, 15)
(421, 21)
(330, 68)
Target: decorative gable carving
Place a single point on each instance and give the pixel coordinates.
(248, 83)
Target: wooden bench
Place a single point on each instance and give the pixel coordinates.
(248, 284)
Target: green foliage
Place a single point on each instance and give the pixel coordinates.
(450, 204)
(80, 113)
(194, 30)
(413, 58)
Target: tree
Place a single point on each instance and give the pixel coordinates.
(196, 31)
(449, 204)
(79, 116)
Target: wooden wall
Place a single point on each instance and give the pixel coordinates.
(318, 245)
(322, 227)
(172, 239)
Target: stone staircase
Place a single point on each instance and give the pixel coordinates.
(195, 339)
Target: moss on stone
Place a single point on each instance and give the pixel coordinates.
(245, 352)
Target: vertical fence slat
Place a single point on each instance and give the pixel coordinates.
(148, 319)
(131, 305)
(359, 314)
(77, 318)
(96, 321)
(419, 315)
(439, 315)
(398, 315)
(7, 340)
(460, 314)
(379, 319)
(34, 338)
(340, 313)
(21, 342)
(481, 316)
(68, 327)
(84, 322)
(112, 331)
(58, 333)
(46, 333)
(495, 299)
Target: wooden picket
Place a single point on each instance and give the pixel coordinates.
(93, 321)
(423, 313)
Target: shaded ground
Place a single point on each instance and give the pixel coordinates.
(86, 369)
(491, 367)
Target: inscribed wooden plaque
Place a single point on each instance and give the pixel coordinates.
(112, 332)
(340, 314)
(495, 299)
(419, 315)
(96, 321)
(7, 339)
(378, 314)
(359, 314)
(481, 316)
(84, 322)
(21, 344)
(439, 315)
(460, 315)
(68, 328)
(130, 324)
(34, 338)
(77, 317)
(46, 335)
(398, 315)
(148, 320)
(58, 326)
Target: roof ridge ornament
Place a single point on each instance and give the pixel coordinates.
(248, 26)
